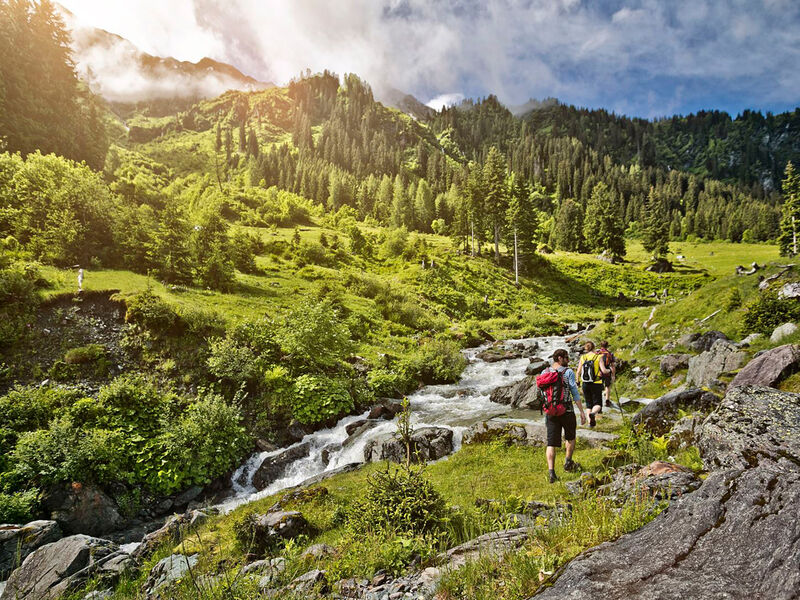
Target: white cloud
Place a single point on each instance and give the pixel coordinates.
(442, 100)
(615, 53)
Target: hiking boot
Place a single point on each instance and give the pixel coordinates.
(571, 465)
(553, 477)
(592, 421)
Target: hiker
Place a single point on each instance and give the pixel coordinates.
(557, 383)
(610, 362)
(592, 368)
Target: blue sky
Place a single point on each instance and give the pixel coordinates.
(638, 57)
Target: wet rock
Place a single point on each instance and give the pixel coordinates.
(352, 427)
(735, 537)
(499, 352)
(672, 362)
(187, 496)
(167, 572)
(769, 368)
(522, 394)
(387, 410)
(18, 541)
(782, 331)
(537, 366)
(57, 568)
(485, 431)
(275, 466)
(265, 446)
(327, 451)
(427, 443)
(659, 415)
(83, 508)
(170, 532)
(706, 368)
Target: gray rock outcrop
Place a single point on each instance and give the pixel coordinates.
(525, 433)
(735, 537)
(83, 508)
(701, 342)
(57, 568)
(18, 541)
(661, 480)
(782, 331)
(659, 415)
(427, 443)
(168, 570)
(769, 368)
(705, 368)
(672, 362)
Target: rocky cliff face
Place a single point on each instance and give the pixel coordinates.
(736, 537)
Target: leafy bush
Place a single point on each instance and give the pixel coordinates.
(319, 399)
(313, 253)
(19, 507)
(149, 311)
(19, 282)
(395, 244)
(314, 337)
(30, 408)
(767, 312)
(84, 354)
(438, 361)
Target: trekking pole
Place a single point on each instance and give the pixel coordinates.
(619, 404)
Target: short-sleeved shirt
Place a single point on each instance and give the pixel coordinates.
(569, 380)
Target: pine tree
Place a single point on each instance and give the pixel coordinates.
(242, 138)
(789, 237)
(496, 203)
(655, 230)
(252, 144)
(602, 227)
(522, 216)
(567, 231)
(400, 204)
(169, 250)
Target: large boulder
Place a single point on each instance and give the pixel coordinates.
(684, 433)
(169, 533)
(427, 443)
(782, 331)
(659, 415)
(522, 394)
(273, 467)
(790, 290)
(83, 508)
(507, 351)
(769, 368)
(495, 544)
(735, 537)
(57, 568)
(661, 480)
(705, 341)
(18, 541)
(536, 366)
(168, 571)
(672, 362)
(524, 433)
(723, 357)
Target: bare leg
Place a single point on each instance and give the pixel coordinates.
(551, 456)
(570, 449)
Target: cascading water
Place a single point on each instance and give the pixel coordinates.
(456, 406)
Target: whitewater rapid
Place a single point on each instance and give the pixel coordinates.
(455, 406)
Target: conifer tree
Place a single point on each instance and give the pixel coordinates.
(522, 216)
(789, 237)
(655, 233)
(496, 203)
(567, 231)
(169, 250)
(602, 226)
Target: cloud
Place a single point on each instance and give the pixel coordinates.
(442, 100)
(640, 56)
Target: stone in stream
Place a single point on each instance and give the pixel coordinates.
(735, 537)
(273, 467)
(18, 541)
(57, 568)
(427, 443)
(82, 508)
(522, 394)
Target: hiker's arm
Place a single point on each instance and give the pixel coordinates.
(603, 369)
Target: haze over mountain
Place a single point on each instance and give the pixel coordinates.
(116, 69)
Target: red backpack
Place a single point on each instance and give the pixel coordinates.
(551, 384)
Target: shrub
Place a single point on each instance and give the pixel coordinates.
(319, 399)
(398, 500)
(733, 300)
(30, 408)
(149, 311)
(19, 507)
(395, 243)
(314, 337)
(85, 354)
(767, 312)
(438, 361)
(312, 253)
(19, 283)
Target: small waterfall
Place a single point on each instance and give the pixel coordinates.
(456, 406)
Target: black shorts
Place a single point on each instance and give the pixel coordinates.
(593, 395)
(556, 424)
(606, 380)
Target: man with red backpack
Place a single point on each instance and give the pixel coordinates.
(557, 384)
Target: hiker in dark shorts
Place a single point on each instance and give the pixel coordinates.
(610, 363)
(565, 422)
(592, 369)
